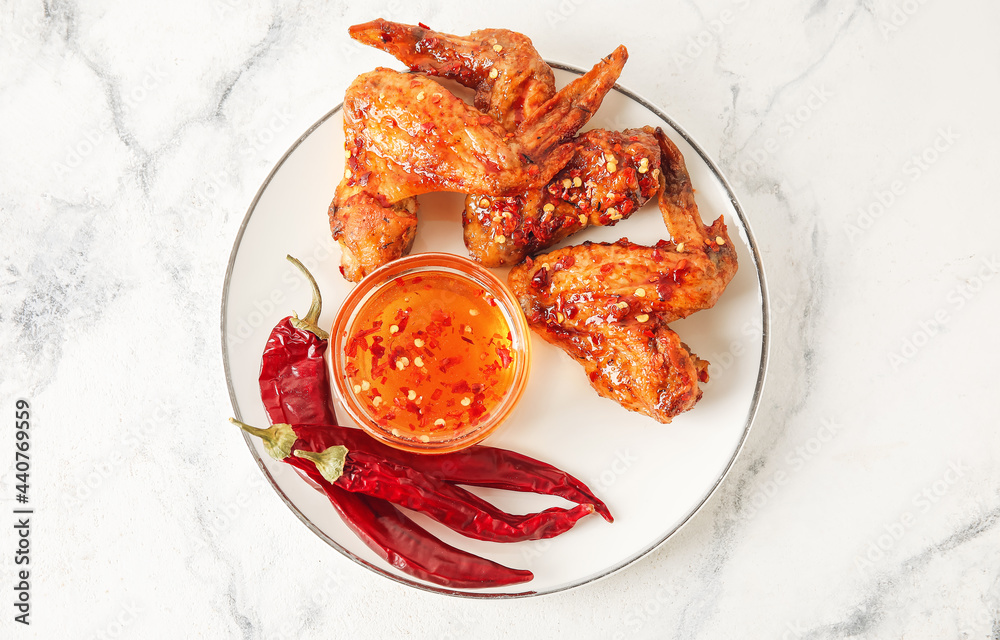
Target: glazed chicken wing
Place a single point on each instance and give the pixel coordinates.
(603, 183)
(608, 305)
(642, 366)
(610, 176)
(407, 135)
(510, 78)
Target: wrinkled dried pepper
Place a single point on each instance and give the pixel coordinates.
(484, 466)
(294, 384)
(478, 466)
(408, 547)
(362, 469)
(294, 387)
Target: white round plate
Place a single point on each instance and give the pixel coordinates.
(653, 477)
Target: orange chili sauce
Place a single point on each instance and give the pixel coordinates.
(430, 354)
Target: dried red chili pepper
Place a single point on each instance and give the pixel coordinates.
(389, 533)
(478, 466)
(483, 466)
(363, 469)
(408, 547)
(452, 506)
(294, 385)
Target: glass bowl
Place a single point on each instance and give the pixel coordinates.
(430, 353)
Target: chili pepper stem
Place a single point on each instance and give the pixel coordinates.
(329, 462)
(309, 322)
(278, 439)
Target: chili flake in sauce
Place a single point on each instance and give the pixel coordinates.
(430, 354)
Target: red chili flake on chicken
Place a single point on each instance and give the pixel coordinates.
(564, 262)
(541, 279)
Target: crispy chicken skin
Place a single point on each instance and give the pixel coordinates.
(642, 366)
(608, 305)
(371, 234)
(610, 176)
(512, 82)
(407, 135)
(523, 82)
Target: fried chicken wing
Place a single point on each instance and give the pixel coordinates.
(610, 176)
(512, 82)
(407, 135)
(604, 302)
(510, 78)
(642, 366)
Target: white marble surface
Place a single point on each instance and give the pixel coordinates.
(861, 139)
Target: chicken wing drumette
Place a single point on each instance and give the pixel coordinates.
(608, 305)
(407, 135)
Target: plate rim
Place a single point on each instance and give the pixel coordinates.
(751, 412)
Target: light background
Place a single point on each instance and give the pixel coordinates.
(861, 139)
